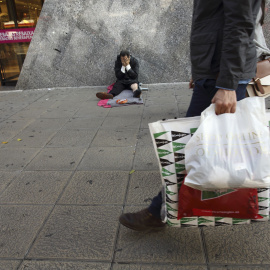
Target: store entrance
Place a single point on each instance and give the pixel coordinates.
(18, 19)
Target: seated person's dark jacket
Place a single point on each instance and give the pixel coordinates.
(129, 77)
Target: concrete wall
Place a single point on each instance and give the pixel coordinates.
(76, 42)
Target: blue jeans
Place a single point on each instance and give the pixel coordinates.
(203, 92)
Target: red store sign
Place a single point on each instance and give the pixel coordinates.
(16, 35)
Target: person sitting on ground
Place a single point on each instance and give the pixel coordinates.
(126, 71)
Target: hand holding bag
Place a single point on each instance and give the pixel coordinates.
(230, 150)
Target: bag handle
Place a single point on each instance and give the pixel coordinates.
(252, 105)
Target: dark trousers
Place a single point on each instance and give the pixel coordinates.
(119, 86)
(203, 92)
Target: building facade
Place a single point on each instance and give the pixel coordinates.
(18, 19)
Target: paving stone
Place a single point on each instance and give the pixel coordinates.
(10, 128)
(9, 265)
(119, 123)
(58, 113)
(90, 110)
(45, 124)
(30, 138)
(16, 158)
(52, 265)
(145, 159)
(18, 228)
(107, 158)
(143, 186)
(155, 113)
(78, 232)
(133, 110)
(96, 188)
(234, 244)
(92, 123)
(157, 267)
(35, 188)
(144, 138)
(125, 137)
(29, 112)
(56, 159)
(171, 245)
(160, 100)
(72, 138)
(5, 179)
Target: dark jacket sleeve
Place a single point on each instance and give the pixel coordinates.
(134, 71)
(117, 69)
(238, 49)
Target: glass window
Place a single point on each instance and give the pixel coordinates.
(4, 16)
(28, 12)
(15, 17)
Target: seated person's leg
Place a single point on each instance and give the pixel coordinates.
(118, 87)
(136, 91)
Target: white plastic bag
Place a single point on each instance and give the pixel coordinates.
(230, 150)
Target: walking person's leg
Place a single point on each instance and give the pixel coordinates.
(150, 218)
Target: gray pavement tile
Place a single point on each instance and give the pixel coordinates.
(90, 110)
(78, 232)
(155, 113)
(30, 138)
(143, 186)
(243, 244)
(9, 265)
(157, 100)
(121, 138)
(35, 188)
(72, 138)
(171, 245)
(53, 96)
(5, 179)
(96, 188)
(52, 265)
(157, 267)
(182, 111)
(120, 123)
(144, 138)
(92, 123)
(184, 98)
(16, 158)
(107, 158)
(19, 226)
(131, 111)
(10, 128)
(70, 103)
(29, 112)
(45, 124)
(56, 159)
(58, 113)
(145, 159)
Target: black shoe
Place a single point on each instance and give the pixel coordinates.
(141, 221)
(137, 93)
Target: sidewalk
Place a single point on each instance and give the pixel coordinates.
(64, 181)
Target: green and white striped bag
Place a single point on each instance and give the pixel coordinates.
(169, 138)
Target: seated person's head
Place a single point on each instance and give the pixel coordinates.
(124, 54)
